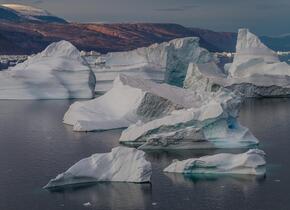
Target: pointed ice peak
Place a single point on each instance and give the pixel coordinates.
(62, 48)
(249, 41)
(250, 51)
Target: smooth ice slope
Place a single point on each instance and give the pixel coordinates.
(165, 62)
(122, 164)
(58, 72)
(251, 163)
(130, 100)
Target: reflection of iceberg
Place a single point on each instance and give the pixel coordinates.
(121, 165)
(167, 61)
(58, 72)
(251, 162)
(109, 195)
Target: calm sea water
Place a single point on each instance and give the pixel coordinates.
(35, 146)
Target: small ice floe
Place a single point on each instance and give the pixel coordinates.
(251, 162)
(88, 204)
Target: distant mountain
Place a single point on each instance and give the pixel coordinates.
(27, 30)
(34, 37)
(279, 43)
(23, 13)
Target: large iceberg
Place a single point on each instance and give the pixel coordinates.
(251, 162)
(255, 72)
(131, 99)
(58, 72)
(210, 122)
(165, 62)
(122, 164)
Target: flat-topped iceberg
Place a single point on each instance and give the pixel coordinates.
(131, 99)
(59, 72)
(165, 62)
(251, 162)
(122, 164)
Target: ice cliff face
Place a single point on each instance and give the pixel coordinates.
(120, 165)
(251, 163)
(165, 62)
(58, 72)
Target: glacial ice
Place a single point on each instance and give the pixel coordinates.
(58, 72)
(131, 99)
(210, 123)
(251, 162)
(122, 164)
(255, 72)
(165, 62)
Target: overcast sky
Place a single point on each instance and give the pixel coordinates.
(265, 17)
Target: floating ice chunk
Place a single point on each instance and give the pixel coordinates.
(130, 100)
(122, 164)
(251, 163)
(58, 72)
(165, 62)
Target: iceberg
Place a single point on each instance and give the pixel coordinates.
(255, 72)
(251, 162)
(165, 62)
(131, 99)
(58, 72)
(122, 164)
(209, 123)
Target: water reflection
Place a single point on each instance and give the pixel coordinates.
(108, 196)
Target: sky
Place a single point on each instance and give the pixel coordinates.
(264, 17)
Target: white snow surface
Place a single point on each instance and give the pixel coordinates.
(122, 164)
(27, 10)
(58, 72)
(251, 162)
(165, 62)
(131, 99)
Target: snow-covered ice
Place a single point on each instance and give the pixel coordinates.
(122, 164)
(251, 162)
(58, 72)
(131, 99)
(165, 62)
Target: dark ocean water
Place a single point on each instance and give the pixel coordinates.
(35, 146)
